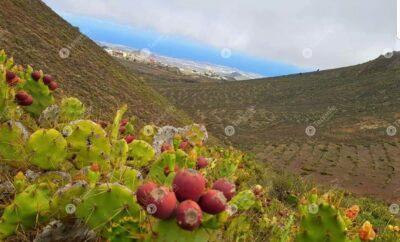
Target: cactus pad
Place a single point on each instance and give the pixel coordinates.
(71, 109)
(88, 144)
(47, 149)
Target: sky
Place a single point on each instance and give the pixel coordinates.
(262, 36)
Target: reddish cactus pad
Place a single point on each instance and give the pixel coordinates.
(189, 215)
(226, 187)
(213, 202)
(189, 184)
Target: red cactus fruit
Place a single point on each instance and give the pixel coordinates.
(129, 138)
(47, 79)
(95, 167)
(26, 102)
(10, 75)
(162, 203)
(21, 95)
(226, 187)
(213, 202)
(184, 145)
(143, 193)
(189, 184)
(201, 162)
(189, 215)
(122, 129)
(124, 122)
(53, 85)
(166, 147)
(36, 75)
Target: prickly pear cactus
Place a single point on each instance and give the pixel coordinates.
(68, 196)
(126, 176)
(119, 153)
(322, 223)
(105, 204)
(12, 144)
(127, 229)
(28, 208)
(42, 96)
(71, 109)
(47, 149)
(140, 153)
(87, 144)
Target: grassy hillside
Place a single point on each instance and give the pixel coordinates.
(350, 109)
(32, 33)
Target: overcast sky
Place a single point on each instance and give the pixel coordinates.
(307, 33)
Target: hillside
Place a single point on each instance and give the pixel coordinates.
(32, 33)
(350, 109)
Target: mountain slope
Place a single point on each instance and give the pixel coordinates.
(32, 33)
(350, 109)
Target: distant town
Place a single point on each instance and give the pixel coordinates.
(185, 67)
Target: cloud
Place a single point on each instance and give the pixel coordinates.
(332, 33)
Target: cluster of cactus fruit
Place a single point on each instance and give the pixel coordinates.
(122, 182)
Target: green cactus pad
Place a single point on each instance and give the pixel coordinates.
(28, 208)
(126, 176)
(119, 153)
(41, 94)
(141, 152)
(88, 144)
(71, 109)
(127, 229)
(47, 149)
(12, 144)
(67, 196)
(106, 203)
(324, 224)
